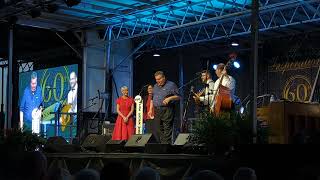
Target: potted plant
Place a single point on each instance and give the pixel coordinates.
(14, 140)
(221, 133)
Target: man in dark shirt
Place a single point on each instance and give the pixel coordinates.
(164, 94)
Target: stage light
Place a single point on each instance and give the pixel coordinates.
(71, 3)
(156, 55)
(234, 44)
(215, 66)
(236, 64)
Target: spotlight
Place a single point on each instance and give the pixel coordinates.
(156, 55)
(215, 66)
(71, 3)
(234, 44)
(236, 64)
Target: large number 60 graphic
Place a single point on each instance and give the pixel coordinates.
(297, 88)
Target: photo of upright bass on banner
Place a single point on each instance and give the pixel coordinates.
(48, 101)
(294, 81)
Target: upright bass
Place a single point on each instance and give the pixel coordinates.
(222, 95)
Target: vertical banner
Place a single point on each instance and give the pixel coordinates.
(139, 114)
(293, 81)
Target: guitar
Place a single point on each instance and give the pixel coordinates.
(65, 119)
(197, 95)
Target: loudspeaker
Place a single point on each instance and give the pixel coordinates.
(57, 140)
(95, 142)
(137, 142)
(115, 146)
(58, 144)
(182, 139)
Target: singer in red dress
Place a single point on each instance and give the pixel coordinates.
(124, 127)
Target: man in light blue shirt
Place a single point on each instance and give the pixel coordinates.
(31, 99)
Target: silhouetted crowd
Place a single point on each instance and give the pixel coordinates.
(33, 166)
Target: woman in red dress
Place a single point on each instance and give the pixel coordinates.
(124, 127)
(149, 112)
(151, 126)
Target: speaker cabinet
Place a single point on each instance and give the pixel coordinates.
(57, 140)
(138, 142)
(115, 146)
(94, 142)
(58, 144)
(182, 139)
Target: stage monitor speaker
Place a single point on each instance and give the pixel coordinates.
(95, 142)
(58, 144)
(182, 139)
(57, 140)
(139, 140)
(115, 146)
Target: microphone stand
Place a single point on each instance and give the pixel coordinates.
(81, 122)
(184, 122)
(186, 84)
(143, 89)
(205, 87)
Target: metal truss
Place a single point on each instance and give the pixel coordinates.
(174, 16)
(25, 66)
(271, 19)
(203, 21)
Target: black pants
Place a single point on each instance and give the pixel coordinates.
(164, 117)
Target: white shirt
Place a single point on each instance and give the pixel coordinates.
(227, 81)
(208, 92)
(72, 99)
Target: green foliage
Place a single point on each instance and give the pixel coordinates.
(225, 129)
(15, 140)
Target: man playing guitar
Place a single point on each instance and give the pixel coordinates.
(204, 97)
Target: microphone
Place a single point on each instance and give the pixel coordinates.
(143, 88)
(191, 88)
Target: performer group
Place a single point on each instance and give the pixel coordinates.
(160, 99)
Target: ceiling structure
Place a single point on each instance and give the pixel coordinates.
(172, 23)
